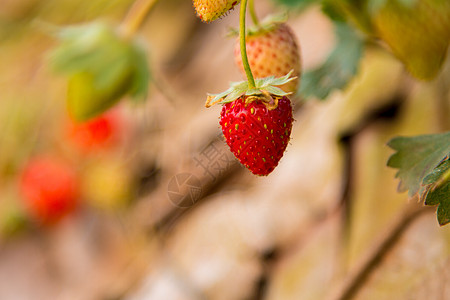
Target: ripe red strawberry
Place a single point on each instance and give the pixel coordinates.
(256, 132)
(99, 133)
(210, 10)
(272, 52)
(49, 189)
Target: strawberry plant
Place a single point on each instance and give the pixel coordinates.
(256, 118)
(417, 33)
(385, 73)
(423, 169)
(103, 63)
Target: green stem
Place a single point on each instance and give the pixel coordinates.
(251, 6)
(136, 16)
(248, 71)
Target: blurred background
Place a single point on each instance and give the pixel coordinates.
(158, 208)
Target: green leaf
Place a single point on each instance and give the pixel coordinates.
(443, 210)
(437, 191)
(102, 68)
(339, 68)
(417, 157)
(437, 173)
(142, 75)
(330, 9)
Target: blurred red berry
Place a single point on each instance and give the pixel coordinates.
(99, 133)
(49, 189)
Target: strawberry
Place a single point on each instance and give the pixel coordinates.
(99, 133)
(272, 50)
(102, 66)
(257, 132)
(256, 121)
(85, 100)
(49, 189)
(210, 10)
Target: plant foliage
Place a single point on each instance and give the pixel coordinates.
(424, 168)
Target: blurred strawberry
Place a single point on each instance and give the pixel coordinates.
(100, 133)
(102, 67)
(86, 100)
(49, 189)
(418, 33)
(107, 184)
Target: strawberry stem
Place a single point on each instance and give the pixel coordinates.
(248, 71)
(251, 6)
(136, 16)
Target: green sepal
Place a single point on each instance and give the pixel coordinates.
(237, 89)
(268, 24)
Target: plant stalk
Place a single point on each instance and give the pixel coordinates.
(248, 71)
(374, 258)
(136, 16)
(251, 8)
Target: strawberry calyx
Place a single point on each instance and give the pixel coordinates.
(270, 101)
(265, 90)
(268, 24)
